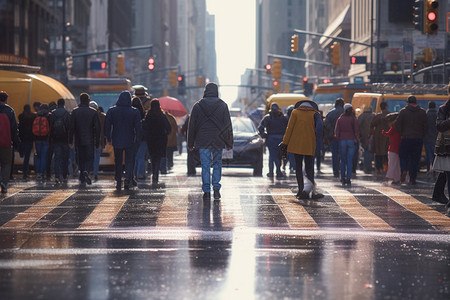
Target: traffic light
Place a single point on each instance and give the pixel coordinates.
(276, 70)
(200, 81)
(173, 78)
(151, 63)
(418, 15)
(307, 87)
(355, 60)
(336, 54)
(268, 69)
(294, 43)
(120, 64)
(181, 85)
(431, 17)
(277, 86)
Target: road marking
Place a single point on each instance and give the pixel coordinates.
(174, 208)
(11, 192)
(29, 217)
(295, 214)
(104, 213)
(430, 215)
(350, 205)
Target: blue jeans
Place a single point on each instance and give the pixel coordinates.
(41, 156)
(335, 156)
(97, 153)
(61, 151)
(409, 152)
(272, 143)
(139, 165)
(26, 146)
(118, 161)
(347, 151)
(429, 154)
(205, 157)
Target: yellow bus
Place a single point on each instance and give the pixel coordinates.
(284, 100)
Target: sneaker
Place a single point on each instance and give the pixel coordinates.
(348, 182)
(86, 177)
(57, 181)
(207, 196)
(133, 181)
(302, 196)
(38, 176)
(95, 178)
(216, 195)
(270, 175)
(316, 195)
(4, 189)
(281, 176)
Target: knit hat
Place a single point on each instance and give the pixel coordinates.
(93, 104)
(274, 106)
(347, 106)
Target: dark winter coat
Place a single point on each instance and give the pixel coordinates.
(122, 123)
(210, 123)
(60, 112)
(364, 121)
(273, 124)
(443, 126)
(9, 111)
(412, 122)
(156, 128)
(26, 126)
(331, 119)
(84, 126)
(380, 141)
(431, 134)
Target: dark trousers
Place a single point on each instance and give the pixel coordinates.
(5, 164)
(309, 169)
(129, 163)
(85, 159)
(380, 161)
(26, 147)
(61, 151)
(439, 187)
(156, 166)
(335, 157)
(48, 164)
(409, 152)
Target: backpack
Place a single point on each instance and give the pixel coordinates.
(41, 126)
(59, 129)
(5, 131)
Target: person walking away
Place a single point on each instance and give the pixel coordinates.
(140, 146)
(171, 140)
(412, 125)
(50, 153)
(9, 139)
(193, 157)
(330, 125)
(290, 156)
(380, 141)
(347, 133)
(85, 132)
(393, 171)
(59, 133)
(41, 132)
(301, 138)
(429, 140)
(98, 151)
(442, 152)
(123, 129)
(26, 136)
(364, 121)
(210, 131)
(156, 128)
(140, 92)
(319, 144)
(272, 127)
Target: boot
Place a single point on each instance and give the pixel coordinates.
(403, 177)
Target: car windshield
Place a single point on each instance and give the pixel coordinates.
(242, 125)
(394, 105)
(105, 100)
(327, 98)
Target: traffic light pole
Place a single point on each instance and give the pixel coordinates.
(112, 51)
(298, 59)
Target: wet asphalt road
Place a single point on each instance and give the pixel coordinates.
(369, 241)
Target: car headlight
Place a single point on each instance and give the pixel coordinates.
(255, 140)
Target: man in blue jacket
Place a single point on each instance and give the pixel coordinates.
(210, 131)
(123, 129)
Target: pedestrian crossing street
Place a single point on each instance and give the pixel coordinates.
(246, 202)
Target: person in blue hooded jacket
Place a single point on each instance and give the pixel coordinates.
(123, 129)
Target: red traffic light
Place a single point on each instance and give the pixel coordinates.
(151, 60)
(275, 83)
(151, 63)
(431, 16)
(268, 67)
(180, 78)
(305, 79)
(103, 65)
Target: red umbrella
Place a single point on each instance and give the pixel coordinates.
(173, 106)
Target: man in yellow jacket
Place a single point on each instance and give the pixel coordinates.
(304, 130)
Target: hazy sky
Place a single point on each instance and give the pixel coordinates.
(235, 41)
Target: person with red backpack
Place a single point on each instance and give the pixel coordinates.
(41, 132)
(8, 138)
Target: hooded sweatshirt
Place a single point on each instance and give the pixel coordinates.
(123, 123)
(210, 123)
(412, 122)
